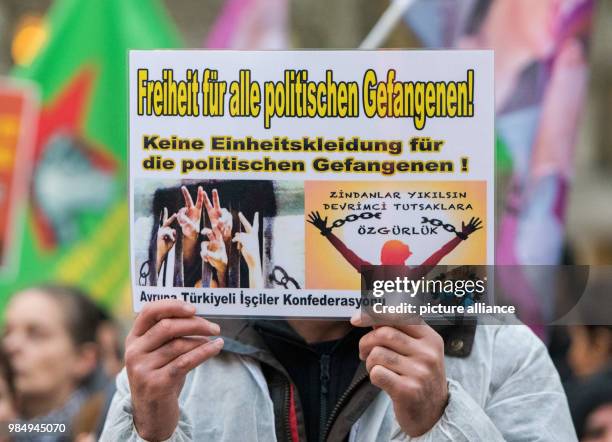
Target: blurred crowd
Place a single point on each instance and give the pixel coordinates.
(61, 353)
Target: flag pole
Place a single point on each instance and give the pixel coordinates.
(385, 24)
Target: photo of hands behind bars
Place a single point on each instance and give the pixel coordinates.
(217, 234)
(208, 247)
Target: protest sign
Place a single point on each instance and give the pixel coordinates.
(261, 182)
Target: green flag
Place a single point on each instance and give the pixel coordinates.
(76, 226)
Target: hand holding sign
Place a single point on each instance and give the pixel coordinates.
(407, 362)
(165, 343)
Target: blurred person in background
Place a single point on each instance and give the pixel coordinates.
(591, 408)
(8, 413)
(50, 339)
(88, 423)
(590, 349)
(7, 390)
(589, 356)
(109, 337)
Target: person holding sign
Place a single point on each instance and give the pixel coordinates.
(327, 380)
(323, 380)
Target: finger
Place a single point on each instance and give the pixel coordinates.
(154, 312)
(256, 222)
(245, 223)
(200, 198)
(387, 337)
(216, 202)
(173, 349)
(165, 215)
(208, 205)
(169, 221)
(390, 359)
(386, 380)
(187, 197)
(188, 361)
(171, 328)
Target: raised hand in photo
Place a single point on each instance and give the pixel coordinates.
(188, 218)
(248, 243)
(469, 228)
(166, 237)
(214, 253)
(315, 219)
(220, 218)
(189, 215)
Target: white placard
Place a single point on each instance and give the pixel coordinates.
(394, 149)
